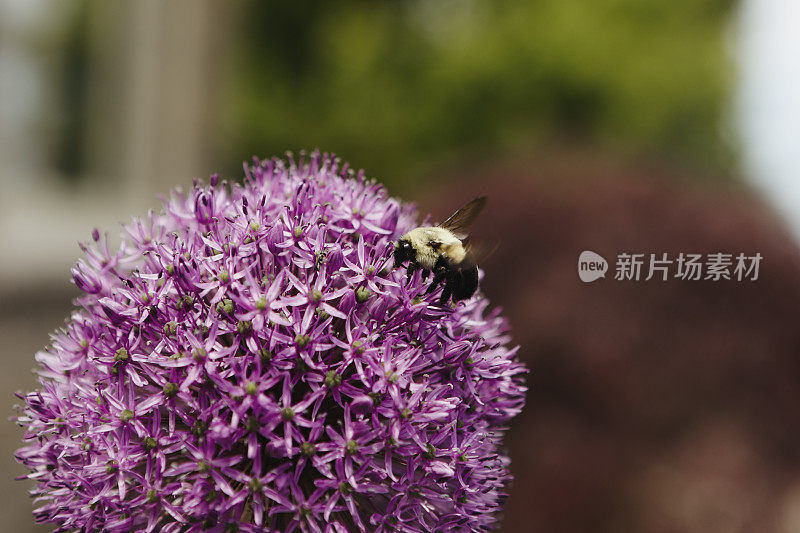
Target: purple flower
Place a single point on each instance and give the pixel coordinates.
(248, 358)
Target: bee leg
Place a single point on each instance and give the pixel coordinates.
(438, 276)
(410, 271)
(456, 282)
(445, 294)
(425, 274)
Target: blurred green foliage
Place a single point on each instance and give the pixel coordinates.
(398, 86)
(71, 112)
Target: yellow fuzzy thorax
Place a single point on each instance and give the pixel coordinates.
(424, 240)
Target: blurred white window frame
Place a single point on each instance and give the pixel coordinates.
(150, 127)
(768, 101)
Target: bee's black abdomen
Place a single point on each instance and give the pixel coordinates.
(460, 279)
(465, 283)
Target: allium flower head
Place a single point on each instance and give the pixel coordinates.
(247, 359)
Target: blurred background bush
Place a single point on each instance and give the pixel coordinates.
(609, 125)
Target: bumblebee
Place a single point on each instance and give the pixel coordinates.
(442, 250)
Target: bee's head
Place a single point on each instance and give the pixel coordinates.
(403, 251)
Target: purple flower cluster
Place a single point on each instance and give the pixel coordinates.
(248, 360)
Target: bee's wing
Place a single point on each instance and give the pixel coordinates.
(461, 220)
(477, 252)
